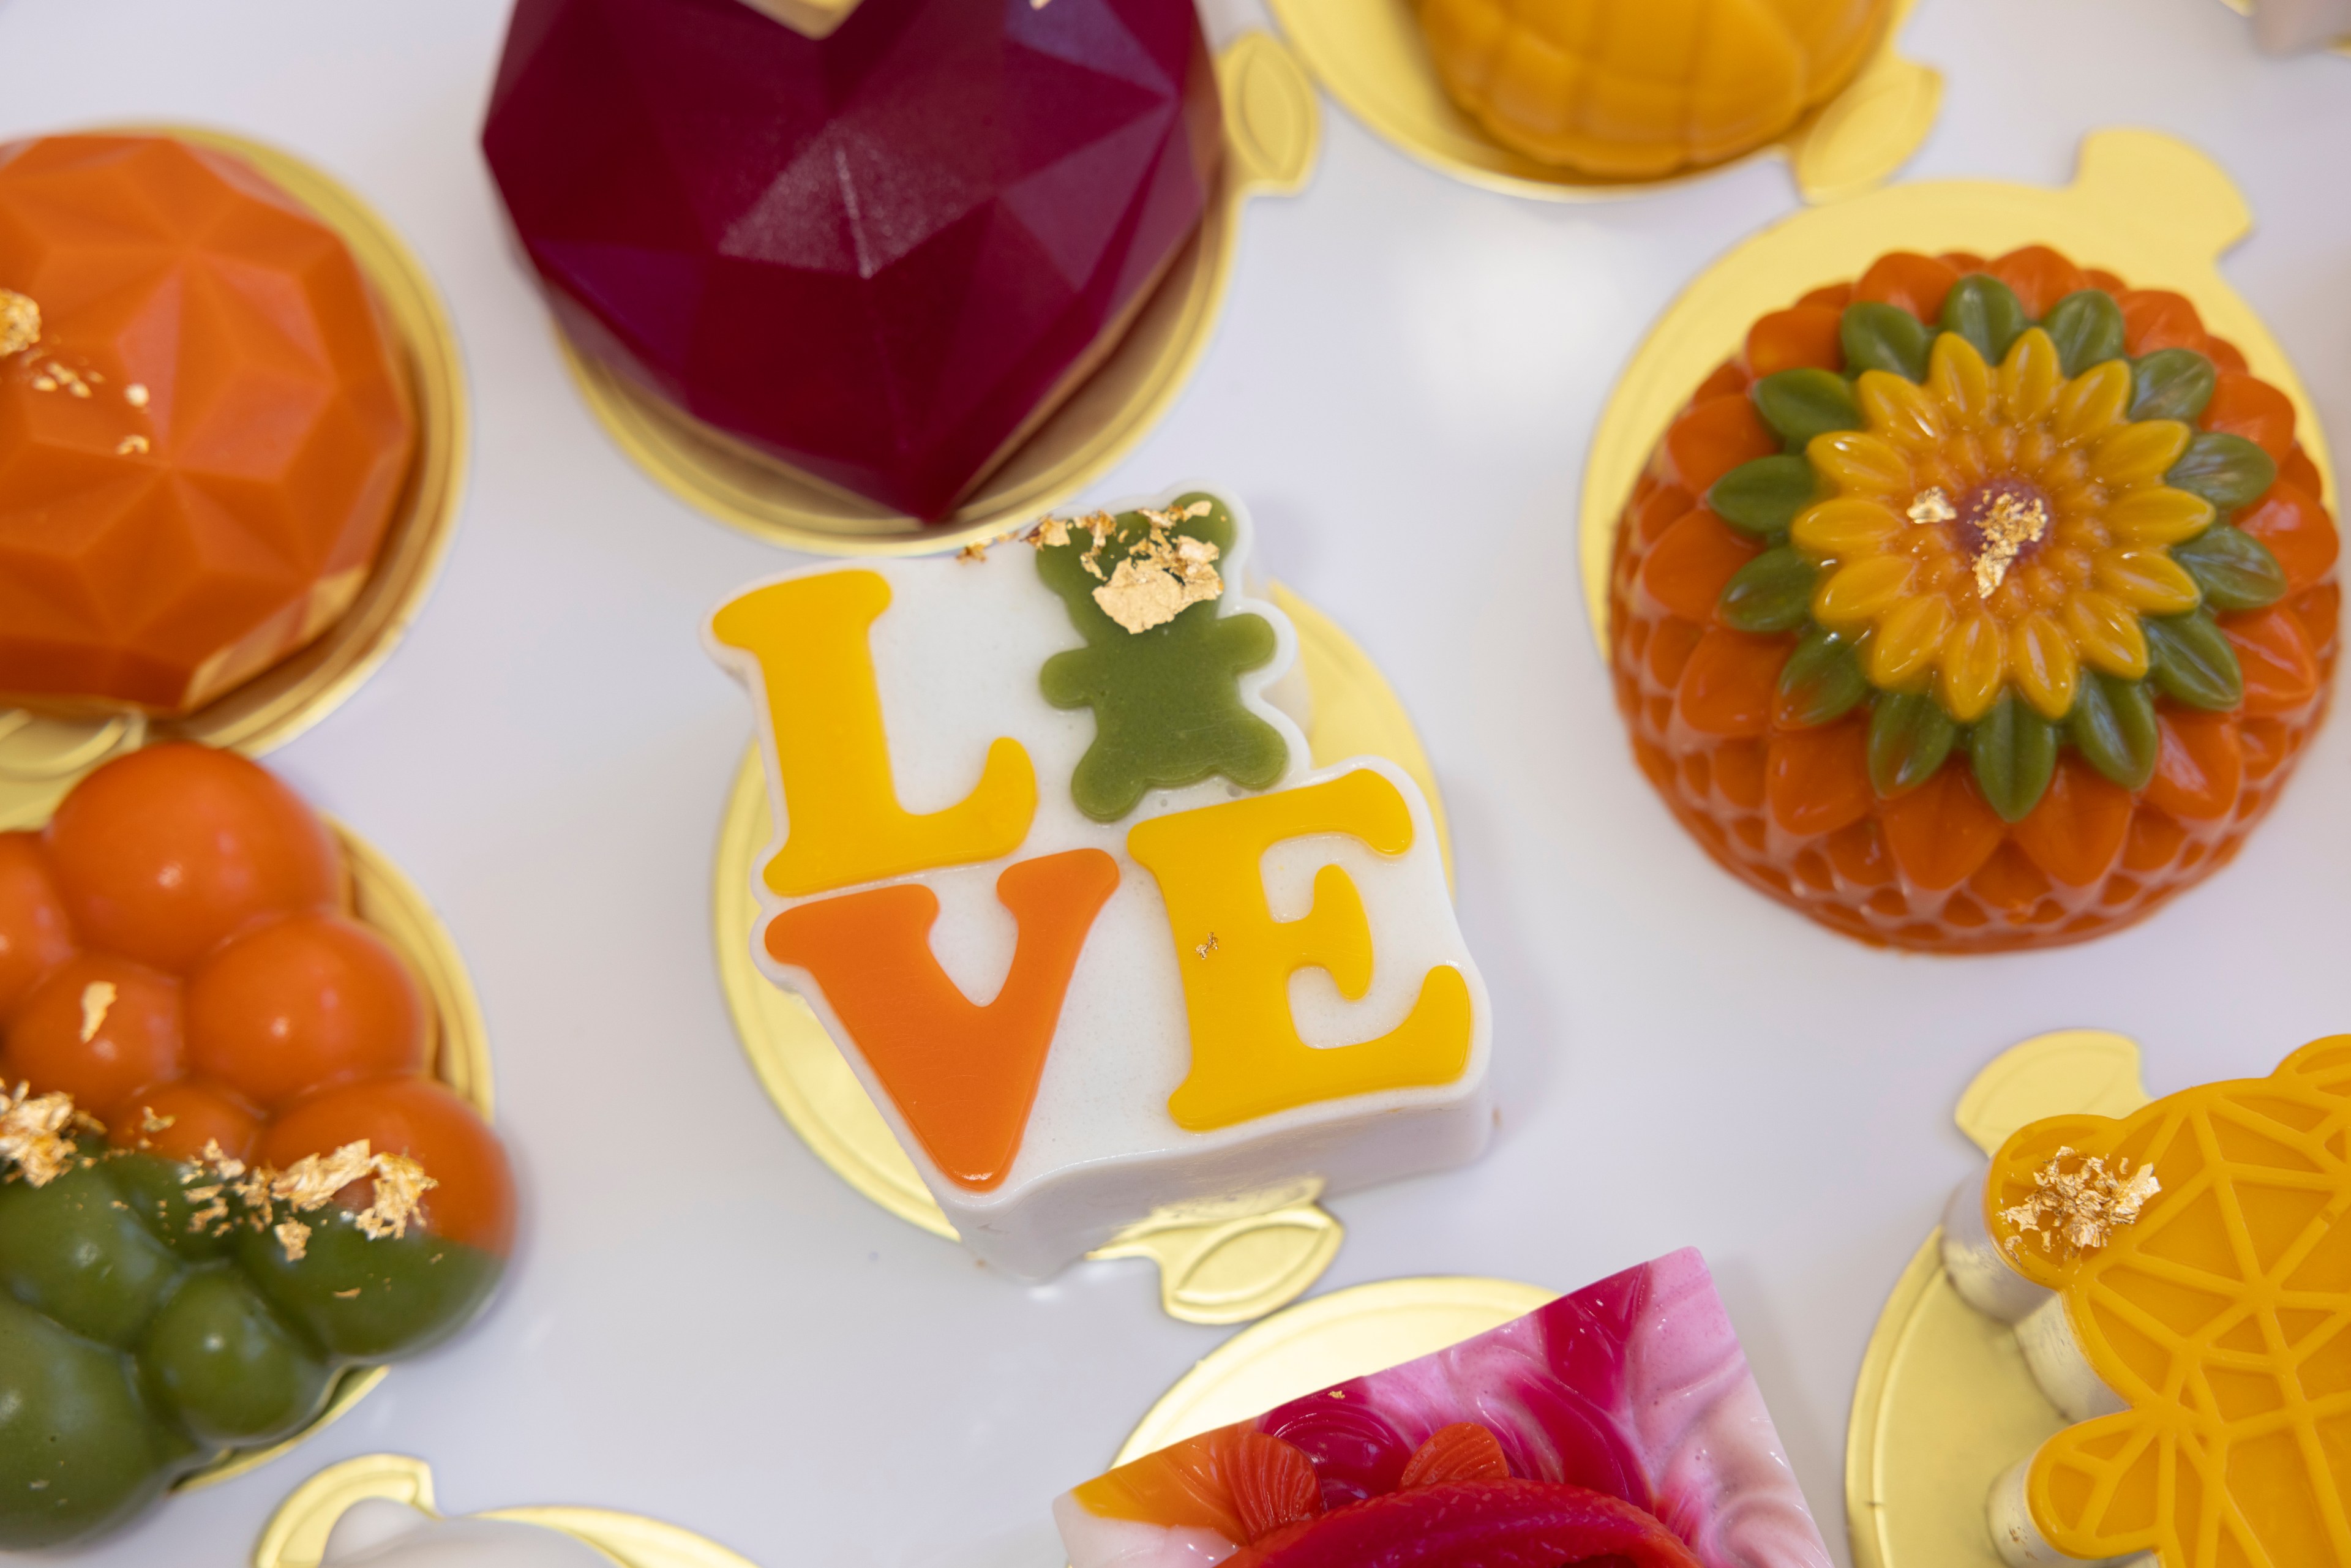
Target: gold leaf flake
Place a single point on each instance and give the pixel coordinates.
(295, 1236)
(351, 1295)
(1162, 576)
(1933, 506)
(1049, 532)
(151, 1122)
(401, 1185)
(135, 394)
(20, 322)
(976, 551)
(312, 1181)
(33, 1134)
(97, 1000)
(1204, 949)
(43, 383)
(131, 445)
(2084, 1207)
(2011, 523)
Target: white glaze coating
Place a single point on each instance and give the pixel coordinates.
(957, 658)
(376, 1532)
(1972, 1259)
(2020, 1541)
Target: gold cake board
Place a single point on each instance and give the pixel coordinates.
(296, 1535)
(1945, 1403)
(1226, 1267)
(2149, 208)
(1272, 129)
(1371, 56)
(41, 756)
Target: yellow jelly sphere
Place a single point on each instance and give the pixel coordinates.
(1636, 88)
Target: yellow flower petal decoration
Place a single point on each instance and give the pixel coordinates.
(1974, 662)
(2138, 454)
(2042, 661)
(1907, 640)
(1854, 594)
(1901, 411)
(2147, 581)
(2158, 515)
(2093, 403)
(1958, 378)
(1844, 528)
(1859, 464)
(2030, 376)
(2106, 635)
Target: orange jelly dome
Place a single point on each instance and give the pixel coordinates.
(1975, 605)
(175, 954)
(201, 451)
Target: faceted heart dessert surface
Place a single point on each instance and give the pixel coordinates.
(203, 427)
(880, 257)
(1619, 1424)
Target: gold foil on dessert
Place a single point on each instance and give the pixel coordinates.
(37, 1134)
(2082, 1207)
(1933, 506)
(1271, 129)
(97, 1001)
(1163, 573)
(43, 751)
(2008, 524)
(1222, 1266)
(1945, 1403)
(20, 322)
(296, 1535)
(2099, 220)
(1374, 60)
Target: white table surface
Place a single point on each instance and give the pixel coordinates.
(703, 1323)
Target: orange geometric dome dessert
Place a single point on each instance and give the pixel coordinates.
(1631, 91)
(203, 424)
(1976, 605)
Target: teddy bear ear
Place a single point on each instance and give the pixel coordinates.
(2028, 1151)
(2093, 1488)
(2323, 1065)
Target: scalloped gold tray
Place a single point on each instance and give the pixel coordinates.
(40, 756)
(1272, 129)
(2145, 206)
(1945, 1403)
(296, 1535)
(390, 904)
(1227, 1267)
(1370, 54)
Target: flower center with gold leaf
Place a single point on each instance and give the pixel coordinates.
(1998, 526)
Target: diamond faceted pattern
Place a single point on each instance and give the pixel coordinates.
(880, 257)
(200, 457)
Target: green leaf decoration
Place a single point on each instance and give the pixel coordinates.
(2235, 569)
(2112, 727)
(2227, 470)
(1166, 700)
(2191, 662)
(2171, 383)
(1821, 681)
(1909, 736)
(1881, 337)
(1800, 404)
(1773, 592)
(1762, 497)
(1987, 313)
(2087, 328)
(2014, 751)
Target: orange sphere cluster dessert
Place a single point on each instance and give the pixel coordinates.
(223, 1174)
(1976, 605)
(204, 424)
(1637, 92)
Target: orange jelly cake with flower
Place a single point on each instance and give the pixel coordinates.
(1976, 605)
(206, 426)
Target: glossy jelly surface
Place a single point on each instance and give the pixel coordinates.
(202, 450)
(1976, 605)
(879, 257)
(1635, 91)
(2221, 1313)
(1619, 1421)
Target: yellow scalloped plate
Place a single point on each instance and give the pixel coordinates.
(390, 904)
(2144, 206)
(1271, 131)
(1370, 54)
(296, 1535)
(1228, 1266)
(1945, 1403)
(42, 756)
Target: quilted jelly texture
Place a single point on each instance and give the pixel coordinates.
(201, 454)
(1872, 704)
(880, 257)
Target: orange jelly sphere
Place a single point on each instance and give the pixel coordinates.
(203, 449)
(474, 1199)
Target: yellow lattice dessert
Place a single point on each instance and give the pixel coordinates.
(2201, 1319)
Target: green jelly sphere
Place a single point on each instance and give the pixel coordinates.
(78, 1452)
(371, 1298)
(75, 1251)
(229, 1366)
(158, 1196)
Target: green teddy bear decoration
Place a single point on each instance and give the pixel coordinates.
(1160, 668)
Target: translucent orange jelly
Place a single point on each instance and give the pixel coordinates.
(202, 450)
